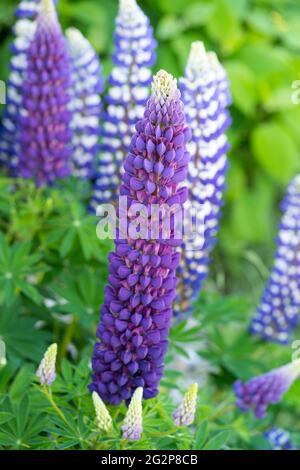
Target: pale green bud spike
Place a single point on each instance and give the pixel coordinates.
(103, 418)
(46, 370)
(185, 414)
(133, 423)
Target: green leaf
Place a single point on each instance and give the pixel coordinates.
(275, 151)
(218, 441)
(201, 436)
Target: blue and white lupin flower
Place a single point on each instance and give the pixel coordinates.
(87, 86)
(279, 439)
(85, 103)
(128, 92)
(278, 312)
(206, 95)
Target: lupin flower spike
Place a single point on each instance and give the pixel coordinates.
(279, 439)
(206, 96)
(137, 310)
(46, 370)
(133, 423)
(85, 105)
(259, 392)
(23, 30)
(103, 418)
(185, 414)
(45, 135)
(127, 95)
(278, 312)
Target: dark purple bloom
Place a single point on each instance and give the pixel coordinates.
(23, 30)
(279, 439)
(266, 389)
(137, 309)
(128, 92)
(206, 97)
(278, 312)
(45, 134)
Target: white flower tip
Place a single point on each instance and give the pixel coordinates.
(48, 7)
(46, 370)
(127, 6)
(76, 41)
(164, 86)
(198, 57)
(213, 60)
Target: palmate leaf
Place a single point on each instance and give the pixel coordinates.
(79, 293)
(17, 266)
(73, 229)
(22, 430)
(21, 338)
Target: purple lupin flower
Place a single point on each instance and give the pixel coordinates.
(45, 135)
(278, 312)
(85, 105)
(137, 310)
(23, 31)
(206, 96)
(279, 439)
(128, 92)
(259, 392)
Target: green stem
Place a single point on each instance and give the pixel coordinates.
(50, 398)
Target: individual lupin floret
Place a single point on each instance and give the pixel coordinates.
(278, 312)
(46, 371)
(45, 135)
(279, 439)
(266, 389)
(103, 418)
(128, 92)
(206, 96)
(133, 423)
(137, 310)
(185, 414)
(85, 105)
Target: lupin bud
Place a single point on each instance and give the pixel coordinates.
(3, 360)
(46, 370)
(133, 423)
(279, 439)
(185, 414)
(103, 418)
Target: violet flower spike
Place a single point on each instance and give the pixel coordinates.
(85, 105)
(279, 439)
(206, 96)
(278, 312)
(23, 31)
(133, 423)
(129, 87)
(45, 135)
(259, 392)
(137, 310)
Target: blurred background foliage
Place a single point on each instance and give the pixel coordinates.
(257, 41)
